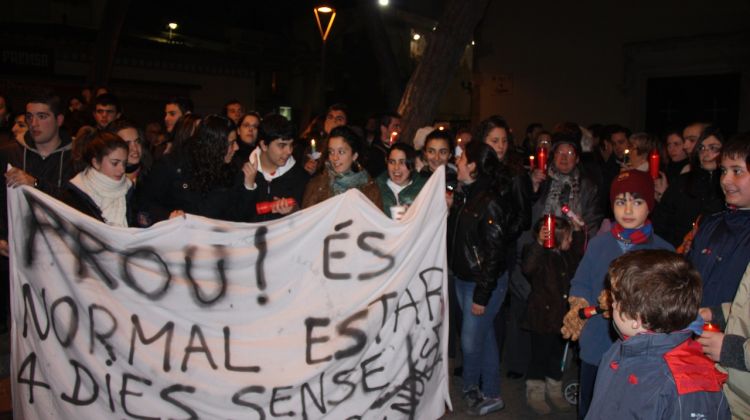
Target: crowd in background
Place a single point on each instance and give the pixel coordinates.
(516, 280)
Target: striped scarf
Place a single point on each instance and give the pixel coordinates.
(632, 236)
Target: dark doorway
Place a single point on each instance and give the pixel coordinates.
(673, 102)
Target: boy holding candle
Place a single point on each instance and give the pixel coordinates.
(731, 349)
(632, 198)
(281, 178)
(656, 370)
(721, 247)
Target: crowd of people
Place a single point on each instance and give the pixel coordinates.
(650, 234)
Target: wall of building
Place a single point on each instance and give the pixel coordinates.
(589, 61)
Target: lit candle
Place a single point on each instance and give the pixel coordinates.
(541, 159)
(312, 145)
(653, 163)
(710, 327)
(626, 157)
(531, 162)
(393, 137)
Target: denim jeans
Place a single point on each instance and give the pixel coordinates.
(481, 359)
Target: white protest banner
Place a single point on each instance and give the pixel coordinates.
(333, 312)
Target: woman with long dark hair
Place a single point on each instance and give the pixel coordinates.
(480, 226)
(198, 178)
(496, 133)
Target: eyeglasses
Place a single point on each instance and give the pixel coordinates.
(714, 148)
(565, 153)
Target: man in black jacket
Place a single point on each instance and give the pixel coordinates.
(281, 178)
(43, 162)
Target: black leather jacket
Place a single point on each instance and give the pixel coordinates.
(482, 224)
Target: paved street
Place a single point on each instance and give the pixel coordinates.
(513, 392)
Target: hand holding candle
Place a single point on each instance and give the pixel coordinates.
(314, 154)
(575, 218)
(711, 327)
(265, 207)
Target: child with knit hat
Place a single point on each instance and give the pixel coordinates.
(632, 199)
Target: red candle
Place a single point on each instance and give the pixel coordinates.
(541, 159)
(531, 162)
(653, 163)
(265, 207)
(549, 223)
(589, 311)
(710, 327)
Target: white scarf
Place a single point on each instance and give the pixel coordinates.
(109, 195)
(269, 176)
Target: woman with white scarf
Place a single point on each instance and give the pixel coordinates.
(102, 190)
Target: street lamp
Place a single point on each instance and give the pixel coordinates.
(172, 26)
(327, 12)
(324, 17)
